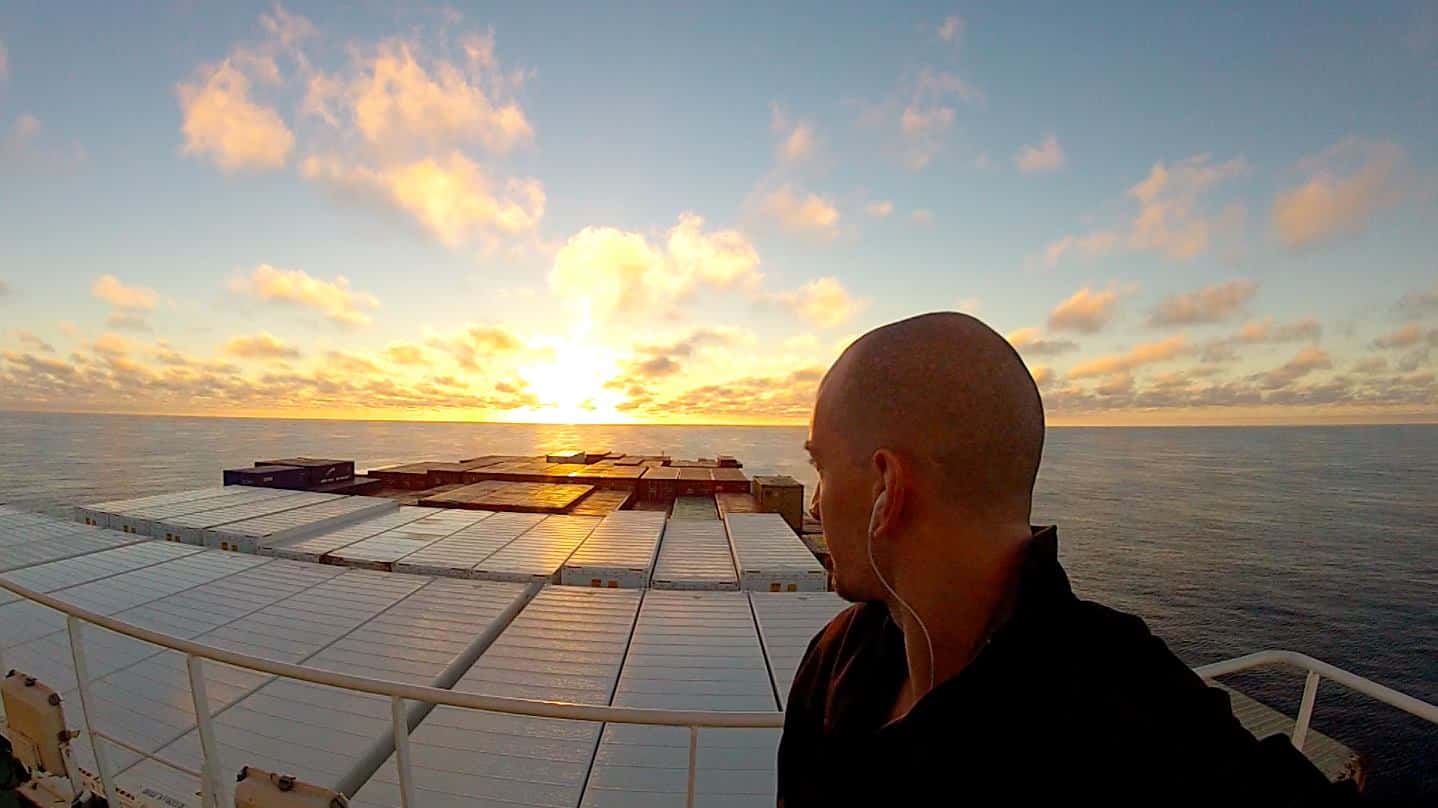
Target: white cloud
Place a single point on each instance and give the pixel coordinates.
(922, 216)
(797, 139)
(951, 28)
(453, 197)
(261, 346)
(1085, 311)
(1171, 217)
(1047, 156)
(1211, 304)
(880, 209)
(823, 302)
(223, 122)
(921, 114)
(607, 271)
(23, 150)
(335, 299)
(797, 212)
(133, 298)
(1348, 184)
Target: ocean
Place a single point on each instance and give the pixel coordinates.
(1225, 540)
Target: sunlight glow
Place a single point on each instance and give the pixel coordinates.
(570, 386)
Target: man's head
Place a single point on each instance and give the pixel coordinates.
(937, 414)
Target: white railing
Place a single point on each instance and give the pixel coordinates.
(218, 793)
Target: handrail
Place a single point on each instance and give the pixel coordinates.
(217, 791)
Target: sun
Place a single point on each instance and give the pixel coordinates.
(570, 384)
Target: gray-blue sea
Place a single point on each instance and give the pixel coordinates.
(1226, 540)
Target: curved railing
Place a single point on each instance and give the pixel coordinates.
(217, 790)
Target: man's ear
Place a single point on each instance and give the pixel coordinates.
(890, 494)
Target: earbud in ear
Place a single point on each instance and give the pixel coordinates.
(879, 503)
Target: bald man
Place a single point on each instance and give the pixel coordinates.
(967, 670)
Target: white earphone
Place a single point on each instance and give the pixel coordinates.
(879, 503)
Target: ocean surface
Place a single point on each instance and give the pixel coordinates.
(1226, 540)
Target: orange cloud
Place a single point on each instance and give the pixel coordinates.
(222, 122)
(405, 354)
(1308, 360)
(797, 139)
(1334, 204)
(1406, 337)
(261, 346)
(1144, 354)
(881, 209)
(334, 298)
(1264, 331)
(797, 212)
(1211, 304)
(823, 302)
(135, 298)
(1085, 311)
(111, 345)
(1031, 342)
(1047, 156)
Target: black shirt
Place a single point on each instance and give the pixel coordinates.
(1069, 700)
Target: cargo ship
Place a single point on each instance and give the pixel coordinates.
(580, 628)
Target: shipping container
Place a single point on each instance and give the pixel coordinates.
(694, 508)
(492, 495)
(567, 645)
(381, 551)
(250, 535)
(770, 558)
(456, 555)
(190, 528)
(408, 476)
(565, 456)
(322, 735)
(659, 483)
(602, 502)
(292, 478)
(51, 538)
(732, 502)
(618, 554)
(98, 513)
(782, 495)
(730, 480)
(313, 548)
(538, 553)
(695, 482)
(318, 471)
(690, 651)
(787, 622)
(729, 462)
(145, 521)
(695, 554)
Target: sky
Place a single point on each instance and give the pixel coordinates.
(1178, 214)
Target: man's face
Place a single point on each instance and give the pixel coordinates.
(842, 502)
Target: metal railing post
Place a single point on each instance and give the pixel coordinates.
(401, 750)
(1305, 710)
(693, 762)
(215, 785)
(73, 627)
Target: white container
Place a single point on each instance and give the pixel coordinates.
(312, 548)
(770, 558)
(567, 645)
(148, 520)
(98, 513)
(538, 553)
(618, 554)
(787, 622)
(190, 528)
(695, 555)
(690, 651)
(457, 554)
(248, 536)
(56, 548)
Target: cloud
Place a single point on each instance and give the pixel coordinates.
(607, 271)
(1419, 302)
(4, 288)
(797, 139)
(130, 298)
(402, 353)
(474, 343)
(1085, 311)
(398, 99)
(1143, 354)
(1047, 156)
(880, 209)
(1407, 337)
(1171, 219)
(261, 346)
(660, 360)
(920, 115)
(1265, 331)
(823, 302)
(1347, 185)
(221, 121)
(111, 345)
(1031, 342)
(951, 28)
(351, 363)
(34, 341)
(780, 397)
(1371, 365)
(452, 196)
(1308, 360)
(335, 299)
(24, 150)
(1042, 375)
(127, 322)
(1211, 304)
(922, 216)
(797, 212)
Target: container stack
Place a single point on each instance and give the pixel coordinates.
(619, 554)
(770, 558)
